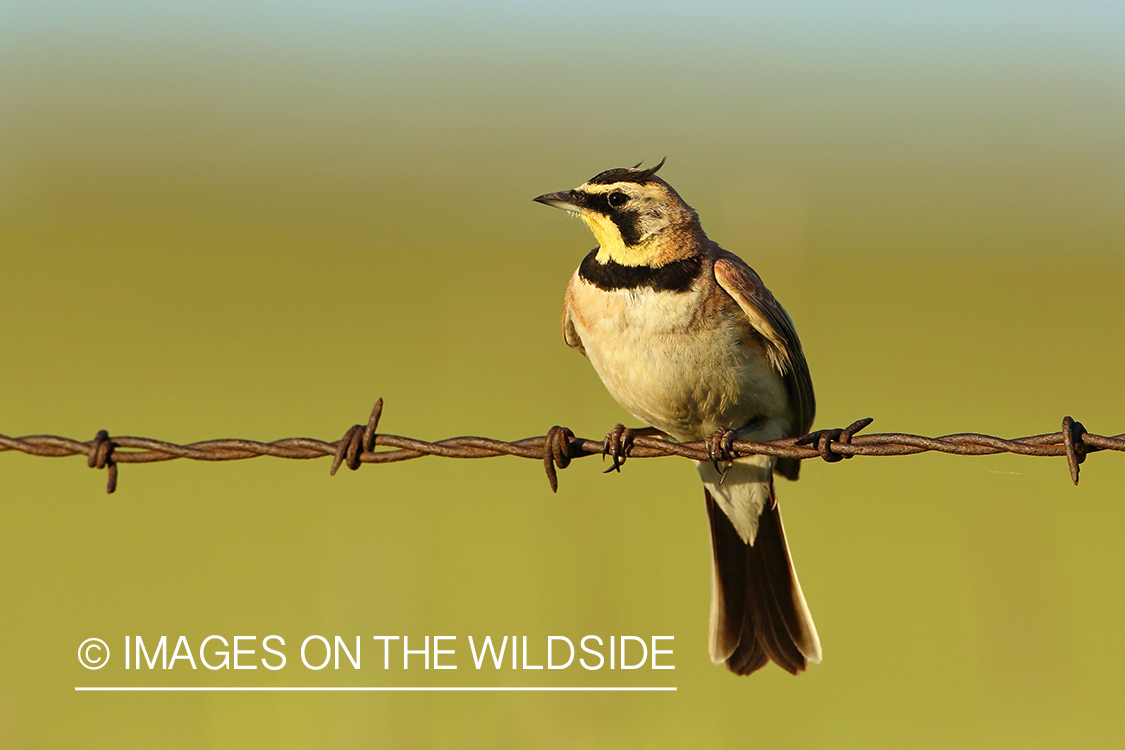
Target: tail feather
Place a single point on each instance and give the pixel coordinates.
(758, 611)
(767, 621)
(728, 583)
(784, 590)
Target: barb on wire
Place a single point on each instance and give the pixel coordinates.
(557, 448)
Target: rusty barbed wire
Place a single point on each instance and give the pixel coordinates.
(558, 447)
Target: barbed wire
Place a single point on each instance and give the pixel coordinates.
(559, 446)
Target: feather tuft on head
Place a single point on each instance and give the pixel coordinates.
(627, 174)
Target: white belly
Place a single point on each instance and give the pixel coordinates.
(687, 383)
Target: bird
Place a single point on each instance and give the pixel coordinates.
(687, 338)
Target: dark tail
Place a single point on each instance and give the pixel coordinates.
(758, 612)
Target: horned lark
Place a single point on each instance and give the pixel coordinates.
(688, 340)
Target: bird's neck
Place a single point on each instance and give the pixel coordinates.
(668, 245)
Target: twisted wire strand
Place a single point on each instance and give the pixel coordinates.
(557, 448)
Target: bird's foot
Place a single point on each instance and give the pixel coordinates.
(618, 443)
(720, 446)
(720, 449)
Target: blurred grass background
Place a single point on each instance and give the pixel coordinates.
(252, 220)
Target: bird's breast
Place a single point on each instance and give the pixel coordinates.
(676, 362)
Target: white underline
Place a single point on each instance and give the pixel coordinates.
(389, 689)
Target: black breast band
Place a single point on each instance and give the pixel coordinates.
(676, 276)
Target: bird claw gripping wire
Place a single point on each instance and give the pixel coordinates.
(618, 443)
(101, 457)
(823, 439)
(720, 447)
(556, 452)
(359, 439)
(1076, 449)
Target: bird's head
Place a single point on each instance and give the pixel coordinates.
(637, 218)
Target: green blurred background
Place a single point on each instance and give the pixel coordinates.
(252, 219)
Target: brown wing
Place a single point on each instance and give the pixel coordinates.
(770, 320)
(570, 335)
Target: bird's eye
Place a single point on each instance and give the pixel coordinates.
(618, 199)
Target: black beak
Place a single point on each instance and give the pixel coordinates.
(563, 200)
